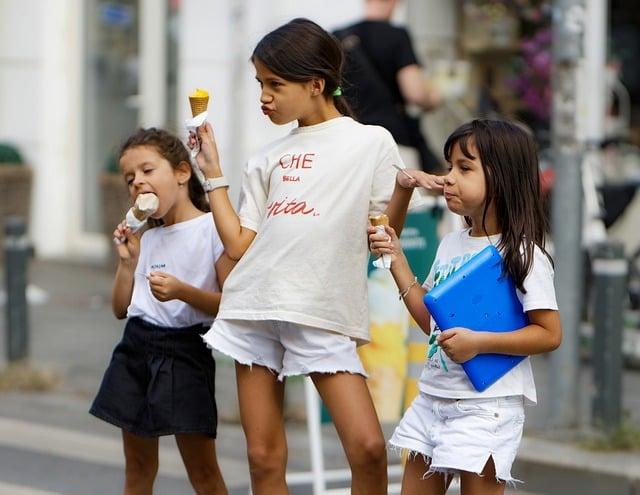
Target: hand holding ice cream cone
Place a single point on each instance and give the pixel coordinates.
(146, 205)
(206, 160)
(379, 223)
(203, 150)
(127, 244)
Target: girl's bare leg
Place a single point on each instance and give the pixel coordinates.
(261, 398)
(484, 484)
(348, 400)
(414, 481)
(198, 453)
(141, 463)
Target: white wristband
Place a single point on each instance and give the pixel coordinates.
(214, 183)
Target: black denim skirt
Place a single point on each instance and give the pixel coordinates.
(160, 381)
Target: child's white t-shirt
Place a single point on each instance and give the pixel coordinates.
(454, 250)
(308, 196)
(188, 251)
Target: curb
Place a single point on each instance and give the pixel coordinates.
(558, 469)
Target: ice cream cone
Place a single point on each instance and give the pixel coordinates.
(199, 101)
(198, 105)
(379, 220)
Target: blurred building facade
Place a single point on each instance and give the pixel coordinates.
(77, 76)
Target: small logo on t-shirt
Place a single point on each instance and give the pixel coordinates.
(158, 266)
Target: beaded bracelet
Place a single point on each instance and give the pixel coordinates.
(403, 293)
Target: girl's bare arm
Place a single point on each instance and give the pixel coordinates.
(397, 207)
(543, 334)
(235, 238)
(406, 182)
(122, 289)
(387, 242)
(206, 301)
(128, 248)
(405, 279)
(224, 265)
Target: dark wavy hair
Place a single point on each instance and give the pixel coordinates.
(510, 162)
(173, 150)
(300, 51)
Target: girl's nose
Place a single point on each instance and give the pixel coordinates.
(265, 97)
(138, 180)
(448, 179)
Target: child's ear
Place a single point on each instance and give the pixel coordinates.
(317, 86)
(183, 172)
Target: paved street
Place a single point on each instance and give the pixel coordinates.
(50, 445)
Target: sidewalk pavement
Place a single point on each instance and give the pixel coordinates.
(73, 333)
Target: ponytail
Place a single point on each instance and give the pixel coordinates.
(343, 106)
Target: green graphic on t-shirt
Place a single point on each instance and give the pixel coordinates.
(439, 277)
(435, 347)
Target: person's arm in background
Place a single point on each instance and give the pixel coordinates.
(416, 89)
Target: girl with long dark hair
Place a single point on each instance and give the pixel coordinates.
(451, 428)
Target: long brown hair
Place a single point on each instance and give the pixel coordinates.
(172, 150)
(300, 51)
(512, 178)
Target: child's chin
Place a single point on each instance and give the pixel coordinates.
(277, 120)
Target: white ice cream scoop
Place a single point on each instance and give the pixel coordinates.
(146, 205)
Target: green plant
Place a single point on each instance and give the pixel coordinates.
(9, 154)
(624, 437)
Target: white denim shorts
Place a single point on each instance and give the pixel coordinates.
(288, 349)
(462, 434)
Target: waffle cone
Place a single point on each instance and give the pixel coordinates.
(379, 220)
(198, 104)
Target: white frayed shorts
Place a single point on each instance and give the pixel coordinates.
(288, 349)
(462, 434)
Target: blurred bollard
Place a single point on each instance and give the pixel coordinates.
(17, 250)
(609, 278)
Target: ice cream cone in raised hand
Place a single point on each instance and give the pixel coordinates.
(379, 220)
(199, 101)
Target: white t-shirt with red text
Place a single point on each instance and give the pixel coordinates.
(308, 196)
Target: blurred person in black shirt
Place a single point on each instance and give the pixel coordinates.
(382, 76)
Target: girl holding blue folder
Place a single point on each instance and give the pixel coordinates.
(493, 182)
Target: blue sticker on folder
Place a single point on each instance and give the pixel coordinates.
(479, 297)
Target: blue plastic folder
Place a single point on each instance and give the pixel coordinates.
(479, 297)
